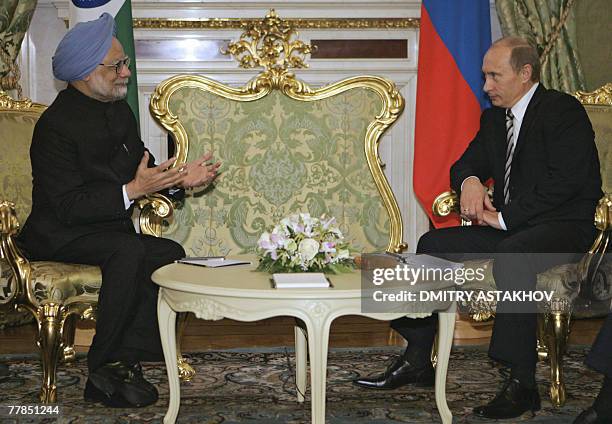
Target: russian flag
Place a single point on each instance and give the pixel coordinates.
(454, 36)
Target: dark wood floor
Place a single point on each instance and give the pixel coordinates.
(352, 331)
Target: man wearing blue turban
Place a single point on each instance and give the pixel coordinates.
(89, 165)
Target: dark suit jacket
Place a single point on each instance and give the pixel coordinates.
(82, 152)
(555, 168)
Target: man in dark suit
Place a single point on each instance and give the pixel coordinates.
(600, 359)
(538, 147)
(88, 167)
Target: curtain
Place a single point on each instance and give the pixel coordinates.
(550, 25)
(15, 17)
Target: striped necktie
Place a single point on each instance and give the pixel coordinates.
(509, 152)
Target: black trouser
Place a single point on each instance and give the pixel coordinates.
(126, 323)
(600, 356)
(513, 342)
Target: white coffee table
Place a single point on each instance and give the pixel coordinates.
(242, 294)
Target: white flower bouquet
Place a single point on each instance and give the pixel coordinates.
(301, 243)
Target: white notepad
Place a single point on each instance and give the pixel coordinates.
(300, 280)
(212, 262)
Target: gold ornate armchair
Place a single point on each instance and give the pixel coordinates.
(285, 147)
(581, 290)
(56, 294)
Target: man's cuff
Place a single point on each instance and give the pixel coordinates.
(502, 224)
(126, 200)
(471, 176)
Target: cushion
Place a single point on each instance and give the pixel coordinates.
(54, 281)
(561, 279)
(65, 283)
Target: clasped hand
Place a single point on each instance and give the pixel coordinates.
(476, 205)
(190, 175)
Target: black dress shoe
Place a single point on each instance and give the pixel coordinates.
(512, 401)
(119, 385)
(400, 373)
(590, 416)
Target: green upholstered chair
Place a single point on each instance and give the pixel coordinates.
(285, 148)
(55, 294)
(581, 290)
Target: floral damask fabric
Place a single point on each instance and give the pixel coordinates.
(279, 156)
(65, 283)
(601, 118)
(50, 281)
(561, 279)
(15, 170)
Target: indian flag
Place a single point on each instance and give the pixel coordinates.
(121, 10)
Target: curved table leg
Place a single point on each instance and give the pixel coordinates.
(446, 328)
(300, 362)
(318, 339)
(167, 328)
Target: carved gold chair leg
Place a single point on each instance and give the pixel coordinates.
(69, 332)
(558, 332)
(543, 342)
(185, 371)
(51, 317)
(434, 353)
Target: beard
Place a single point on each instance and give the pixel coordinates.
(108, 91)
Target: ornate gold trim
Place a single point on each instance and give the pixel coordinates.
(301, 23)
(25, 105)
(272, 47)
(272, 44)
(601, 96)
(9, 223)
(603, 212)
(154, 209)
(445, 204)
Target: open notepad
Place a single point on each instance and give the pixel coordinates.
(300, 280)
(212, 262)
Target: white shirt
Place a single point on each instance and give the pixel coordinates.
(518, 110)
(126, 200)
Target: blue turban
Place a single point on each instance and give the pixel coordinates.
(83, 48)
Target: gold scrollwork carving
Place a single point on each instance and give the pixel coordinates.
(601, 96)
(7, 102)
(272, 44)
(302, 23)
(446, 203)
(154, 209)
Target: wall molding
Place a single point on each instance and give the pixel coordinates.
(300, 23)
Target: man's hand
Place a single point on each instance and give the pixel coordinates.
(475, 201)
(150, 180)
(199, 172)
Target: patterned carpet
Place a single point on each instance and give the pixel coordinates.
(239, 386)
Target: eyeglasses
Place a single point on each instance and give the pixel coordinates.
(118, 65)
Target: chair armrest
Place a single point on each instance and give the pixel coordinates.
(591, 262)
(446, 203)
(11, 256)
(154, 209)
(603, 213)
